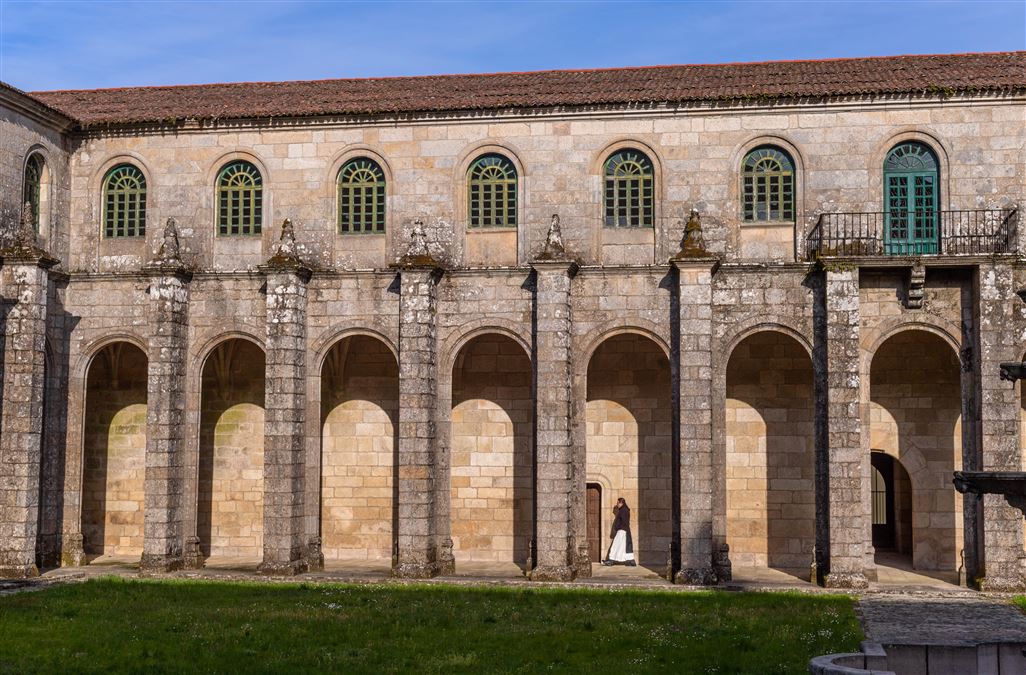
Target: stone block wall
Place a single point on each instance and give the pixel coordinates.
(360, 413)
(491, 460)
(770, 460)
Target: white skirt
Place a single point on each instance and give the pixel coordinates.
(618, 549)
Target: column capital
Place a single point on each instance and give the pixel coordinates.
(160, 268)
(568, 267)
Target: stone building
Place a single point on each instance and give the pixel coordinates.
(309, 323)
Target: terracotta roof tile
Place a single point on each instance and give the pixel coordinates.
(620, 86)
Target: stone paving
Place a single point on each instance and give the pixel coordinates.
(941, 620)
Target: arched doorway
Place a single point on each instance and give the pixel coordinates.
(911, 200)
(359, 446)
(629, 442)
(891, 510)
(114, 452)
(230, 514)
(915, 418)
(492, 454)
(770, 458)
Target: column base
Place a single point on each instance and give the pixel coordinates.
(582, 563)
(192, 556)
(1002, 584)
(157, 563)
(849, 580)
(289, 568)
(552, 573)
(696, 576)
(19, 572)
(314, 556)
(415, 570)
(72, 550)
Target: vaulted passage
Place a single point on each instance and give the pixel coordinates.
(114, 452)
(492, 456)
(629, 442)
(231, 467)
(770, 461)
(360, 427)
(915, 418)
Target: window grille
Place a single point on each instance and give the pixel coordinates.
(879, 506)
(767, 186)
(239, 199)
(492, 192)
(630, 190)
(361, 197)
(33, 186)
(124, 202)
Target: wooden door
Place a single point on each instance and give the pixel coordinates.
(594, 502)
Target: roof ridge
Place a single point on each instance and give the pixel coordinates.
(550, 71)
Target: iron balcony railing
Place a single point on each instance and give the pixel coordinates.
(905, 233)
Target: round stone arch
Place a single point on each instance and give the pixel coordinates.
(47, 189)
(95, 346)
(610, 329)
(330, 339)
(919, 134)
(454, 343)
(126, 157)
(943, 329)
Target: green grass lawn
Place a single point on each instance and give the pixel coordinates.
(1021, 601)
(113, 625)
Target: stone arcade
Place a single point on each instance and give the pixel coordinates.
(312, 323)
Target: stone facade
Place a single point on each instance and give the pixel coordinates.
(352, 401)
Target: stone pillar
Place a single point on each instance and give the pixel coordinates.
(25, 281)
(999, 410)
(694, 401)
(418, 550)
(840, 450)
(285, 409)
(168, 346)
(554, 543)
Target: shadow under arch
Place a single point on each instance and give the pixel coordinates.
(915, 409)
(359, 422)
(492, 450)
(629, 432)
(114, 450)
(770, 460)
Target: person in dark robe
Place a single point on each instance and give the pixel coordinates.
(621, 551)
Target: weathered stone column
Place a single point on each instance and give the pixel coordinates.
(285, 406)
(1004, 567)
(554, 544)
(419, 554)
(163, 529)
(840, 436)
(694, 268)
(24, 279)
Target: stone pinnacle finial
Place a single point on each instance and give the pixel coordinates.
(170, 250)
(26, 235)
(692, 245)
(418, 241)
(287, 241)
(554, 240)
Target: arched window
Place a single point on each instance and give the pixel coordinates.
(630, 188)
(124, 202)
(361, 197)
(239, 199)
(767, 179)
(492, 192)
(33, 186)
(911, 200)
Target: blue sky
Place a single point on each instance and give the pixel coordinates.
(77, 44)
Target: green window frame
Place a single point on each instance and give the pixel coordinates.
(33, 186)
(767, 186)
(911, 200)
(492, 192)
(630, 190)
(124, 202)
(361, 197)
(240, 196)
